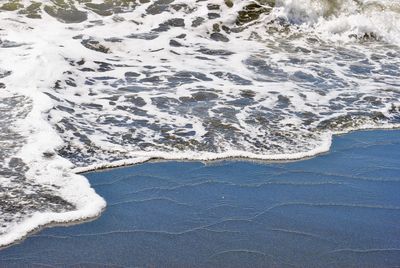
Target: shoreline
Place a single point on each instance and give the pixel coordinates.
(52, 225)
(238, 213)
(235, 155)
(134, 161)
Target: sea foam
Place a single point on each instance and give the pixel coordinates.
(104, 84)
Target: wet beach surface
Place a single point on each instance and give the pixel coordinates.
(341, 209)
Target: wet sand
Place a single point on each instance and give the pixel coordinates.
(339, 209)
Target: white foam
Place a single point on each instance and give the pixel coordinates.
(33, 70)
(278, 92)
(343, 19)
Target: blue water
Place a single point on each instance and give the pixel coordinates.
(341, 209)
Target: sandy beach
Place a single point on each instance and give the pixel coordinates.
(340, 209)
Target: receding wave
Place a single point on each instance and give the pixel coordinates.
(88, 84)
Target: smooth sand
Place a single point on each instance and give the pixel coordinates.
(340, 209)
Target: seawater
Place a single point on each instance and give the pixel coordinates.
(90, 84)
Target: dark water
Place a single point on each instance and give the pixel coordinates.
(341, 209)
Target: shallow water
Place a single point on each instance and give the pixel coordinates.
(341, 209)
(87, 84)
